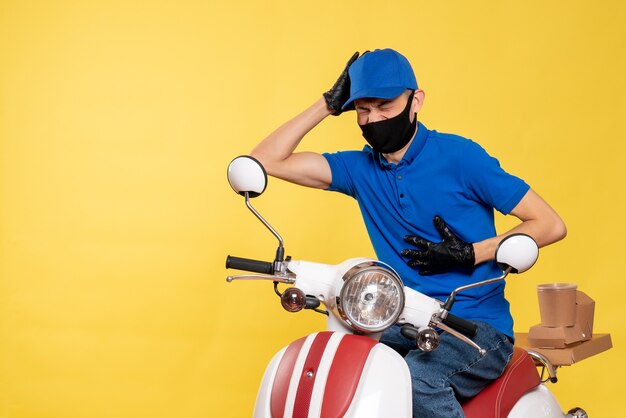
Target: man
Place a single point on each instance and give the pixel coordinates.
(427, 200)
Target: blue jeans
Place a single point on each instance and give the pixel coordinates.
(455, 370)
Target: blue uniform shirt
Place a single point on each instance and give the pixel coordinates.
(440, 174)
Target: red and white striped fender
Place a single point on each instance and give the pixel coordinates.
(332, 375)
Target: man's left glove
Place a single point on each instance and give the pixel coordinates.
(452, 253)
(339, 93)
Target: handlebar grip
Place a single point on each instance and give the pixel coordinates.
(464, 326)
(409, 332)
(248, 264)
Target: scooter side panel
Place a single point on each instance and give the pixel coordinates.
(293, 383)
(385, 387)
(538, 403)
(327, 374)
(262, 408)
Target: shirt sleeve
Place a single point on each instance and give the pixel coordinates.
(341, 179)
(487, 182)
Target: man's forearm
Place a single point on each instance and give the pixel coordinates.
(539, 221)
(276, 152)
(281, 143)
(486, 250)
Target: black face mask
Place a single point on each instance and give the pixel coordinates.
(391, 135)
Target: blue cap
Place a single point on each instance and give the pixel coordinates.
(380, 74)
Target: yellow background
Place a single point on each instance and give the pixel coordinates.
(117, 122)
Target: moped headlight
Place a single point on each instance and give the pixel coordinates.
(371, 298)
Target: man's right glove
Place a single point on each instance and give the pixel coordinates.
(339, 93)
(440, 257)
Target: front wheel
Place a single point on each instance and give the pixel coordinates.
(577, 413)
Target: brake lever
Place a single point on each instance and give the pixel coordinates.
(437, 324)
(273, 278)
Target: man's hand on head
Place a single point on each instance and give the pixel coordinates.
(339, 93)
(452, 253)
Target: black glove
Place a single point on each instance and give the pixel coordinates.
(452, 253)
(339, 93)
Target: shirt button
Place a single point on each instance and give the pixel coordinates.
(399, 177)
(401, 195)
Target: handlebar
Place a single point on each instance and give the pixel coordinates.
(248, 264)
(464, 326)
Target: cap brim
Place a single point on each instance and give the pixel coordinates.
(377, 93)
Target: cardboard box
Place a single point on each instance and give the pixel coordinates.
(585, 307)
(555, 337)
(570, 355)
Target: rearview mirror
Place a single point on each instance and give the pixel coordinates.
(248, 178)
(517, 253)
(247, 175)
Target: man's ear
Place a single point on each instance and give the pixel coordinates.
(418, 101)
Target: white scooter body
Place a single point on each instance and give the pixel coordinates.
(383, 380)
(539, 402)
(379, 375)
(383, 388)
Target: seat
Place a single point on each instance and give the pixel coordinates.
(497, 399)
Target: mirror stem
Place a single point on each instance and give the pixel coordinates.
(447, 306)
(280, 251)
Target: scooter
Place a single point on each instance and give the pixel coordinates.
(345, 371)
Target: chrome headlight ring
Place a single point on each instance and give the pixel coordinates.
(371, 297)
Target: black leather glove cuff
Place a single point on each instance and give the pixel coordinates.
(333, 104)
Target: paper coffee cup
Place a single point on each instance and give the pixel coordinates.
(557, 304)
